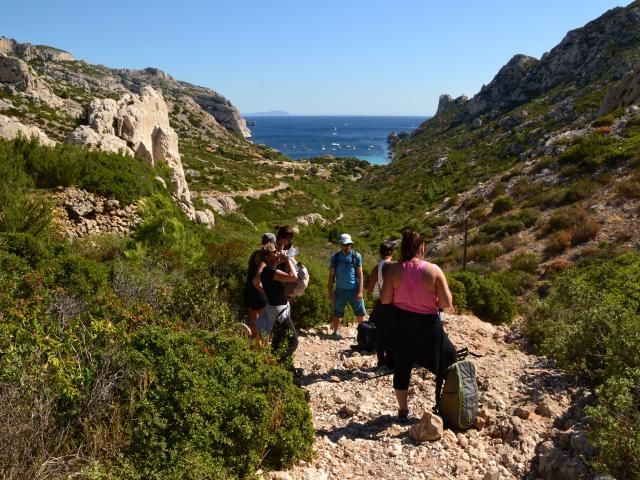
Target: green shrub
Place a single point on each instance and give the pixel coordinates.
(196, 299)
(214, 409)
(502, 204)
(458, 292)
(486, 298)
(517, 282)
(603, 121)
(589, 322)
(614, 425)
(498, 228)
(525, 262)
(21, 210)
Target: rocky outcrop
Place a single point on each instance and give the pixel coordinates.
(85, 135)
(83, 213)
(19, 78)
(626, 93)
(447, 103)
(10, 128)
(139, 124)
(582, 56)
(30, 52)
(506, 90)
(221, 109)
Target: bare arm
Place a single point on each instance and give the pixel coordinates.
(290, 276)
(445, 299)
(332, 278)
(360, 276)
(390, 280)
(373, 279)
(256, 280)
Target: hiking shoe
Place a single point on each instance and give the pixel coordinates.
(336, 336)
(403, 414)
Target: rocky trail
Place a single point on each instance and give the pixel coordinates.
(530, 419)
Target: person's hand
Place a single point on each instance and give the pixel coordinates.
(359, 296)
(332, 296)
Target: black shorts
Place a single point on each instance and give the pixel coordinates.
(253, 299)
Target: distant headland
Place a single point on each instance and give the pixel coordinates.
(272, 113)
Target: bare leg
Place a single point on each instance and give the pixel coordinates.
(336, 323)
(401, 397)
(253, 317)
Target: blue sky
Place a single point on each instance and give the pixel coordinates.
(369, 57)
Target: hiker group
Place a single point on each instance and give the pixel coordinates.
(405, 326)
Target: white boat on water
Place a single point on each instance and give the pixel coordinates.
(334, 144)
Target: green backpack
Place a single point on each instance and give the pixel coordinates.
(458, 403)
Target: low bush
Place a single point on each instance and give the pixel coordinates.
(483, 253)
(525, 262)
(559, 242)
(629, 188)
(214, 409)
(486, 298)
(313, 307)
(517, 282)
(502, 204)
(584, 232)
(614, 425)
(458, 293)
(603, 121)
(589, 322)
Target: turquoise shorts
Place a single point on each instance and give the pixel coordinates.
(344, 296)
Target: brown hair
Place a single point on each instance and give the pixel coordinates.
(411, 243)
(285, 233)
(386, 249)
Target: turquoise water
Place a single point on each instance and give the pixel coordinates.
(301, 137)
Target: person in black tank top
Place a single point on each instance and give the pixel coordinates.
(277, 313)
(253, 296)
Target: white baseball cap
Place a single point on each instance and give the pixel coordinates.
(345, 239)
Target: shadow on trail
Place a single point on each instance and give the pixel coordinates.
(369, 430)
(344, 375)
(544, 379)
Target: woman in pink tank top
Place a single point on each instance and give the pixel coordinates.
(415, 291)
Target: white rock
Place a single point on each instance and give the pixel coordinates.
(11, 128)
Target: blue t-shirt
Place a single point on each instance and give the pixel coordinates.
(346, 277)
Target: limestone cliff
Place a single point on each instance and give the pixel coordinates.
(139, 124)
(602, 48)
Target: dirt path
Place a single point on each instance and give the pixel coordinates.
(359, 437)
(250, 193)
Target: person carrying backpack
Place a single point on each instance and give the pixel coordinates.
(276, 317)
(376, 281)
(345, 273)
(253, 296)
(415, 291)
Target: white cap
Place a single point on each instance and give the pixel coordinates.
(345, 239)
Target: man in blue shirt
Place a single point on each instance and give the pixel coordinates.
(346, 274)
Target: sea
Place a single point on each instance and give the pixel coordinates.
(300, 137)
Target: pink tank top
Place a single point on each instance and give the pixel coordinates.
(412, 294)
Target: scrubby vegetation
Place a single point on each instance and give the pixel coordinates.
(589, 324)
(119, 356)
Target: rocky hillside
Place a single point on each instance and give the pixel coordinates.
(544, 139)
(46, 93)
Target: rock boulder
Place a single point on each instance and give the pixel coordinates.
(10, 128)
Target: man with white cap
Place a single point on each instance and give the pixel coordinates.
(346, 275)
